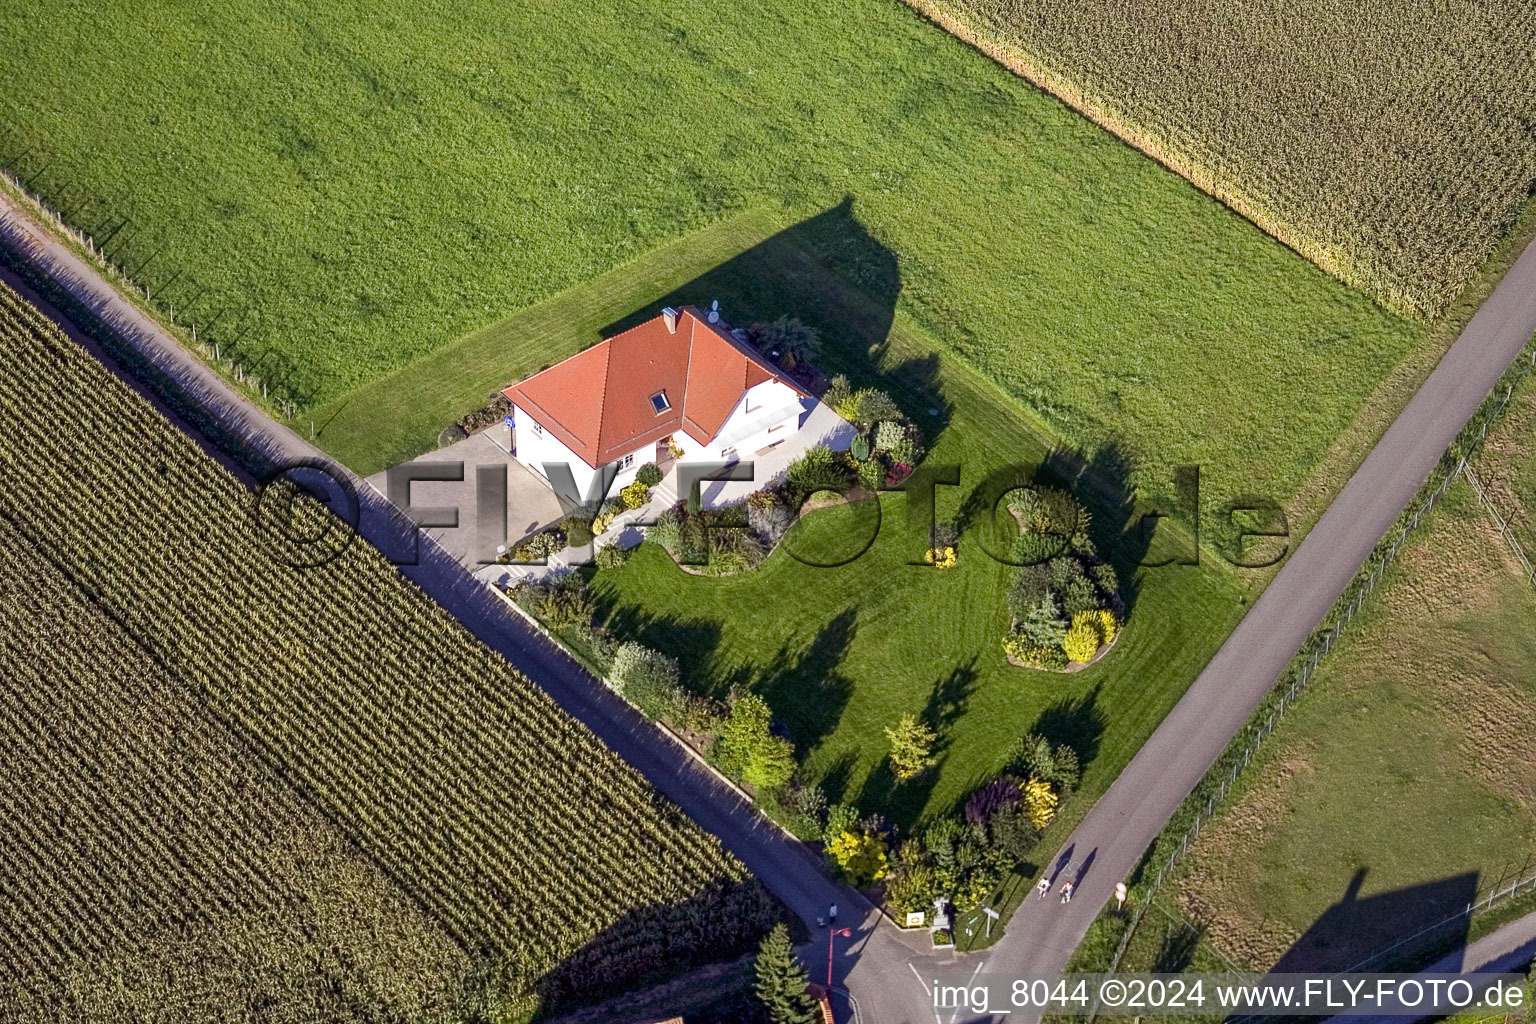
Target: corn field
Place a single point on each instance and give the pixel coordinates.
(1391, 143)
(242, 790)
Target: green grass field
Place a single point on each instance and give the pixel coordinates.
(357, 192)
(1408, 765)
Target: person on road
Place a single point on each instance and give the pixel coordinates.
(1044, 886)
(1066, 892)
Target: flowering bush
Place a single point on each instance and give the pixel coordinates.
(888, 434)
(1083, 638)
(1039, 802)
(861, 857)
(635, 495)
(940, 558)
(1027, 652)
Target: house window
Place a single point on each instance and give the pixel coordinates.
(538, 431)
(775, 430)
(659, 402)
(627, 461)
(728, 453)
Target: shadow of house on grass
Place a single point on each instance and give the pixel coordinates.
(651, 944)
(830, 273)
(1387, 931)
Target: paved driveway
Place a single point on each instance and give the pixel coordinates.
(530, 505)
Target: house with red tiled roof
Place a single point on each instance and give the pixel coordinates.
(680, 387)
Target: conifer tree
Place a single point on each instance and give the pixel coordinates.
(782, 984)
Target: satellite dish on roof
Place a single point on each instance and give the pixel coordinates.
(714, 311)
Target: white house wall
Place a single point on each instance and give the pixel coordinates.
(536, 446)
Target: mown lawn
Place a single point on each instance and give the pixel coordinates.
(347, 192)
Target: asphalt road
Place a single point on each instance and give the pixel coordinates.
(1111, 839)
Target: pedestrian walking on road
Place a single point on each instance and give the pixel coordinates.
(1044, 886)
(1066, 892)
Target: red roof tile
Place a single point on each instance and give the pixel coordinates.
(598, 402)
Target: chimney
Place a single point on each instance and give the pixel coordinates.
(670, 315)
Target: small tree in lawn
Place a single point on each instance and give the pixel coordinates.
(782, 985)
(748, 750)
(911, 747)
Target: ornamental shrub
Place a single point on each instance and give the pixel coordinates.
(1082, 640)
(606, 515)
(840, 818)
(861, 858)
(648, 474)
(838, 394)
(911, 746)
(859, 448)
(1108, 627)
(664, 531)
(1041, 624)
(904, 450)
(817, 470)
(1003, 791)
(1039, 802)
(871, 405)
(1011, 834)
(647, 678)
(1080, 596)
(1038, 758)
(635, 495)
(611, 556)
(871, 475)
(889, 433)
(748, 750)
(578, 531)
(912, 888)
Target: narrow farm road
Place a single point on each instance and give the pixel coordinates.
(1107, 845)
(887, 984)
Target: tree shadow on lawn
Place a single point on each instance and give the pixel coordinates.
(830, 273)
(804, 688)
(1390, 930)
(902, 801)
(1176, 950)
(1075, 721)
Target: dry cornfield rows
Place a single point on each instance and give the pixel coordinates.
(1392, 143)
(434, 811)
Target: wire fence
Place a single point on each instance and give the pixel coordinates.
(233, 355)
(1505, 529)
(1210, 794)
